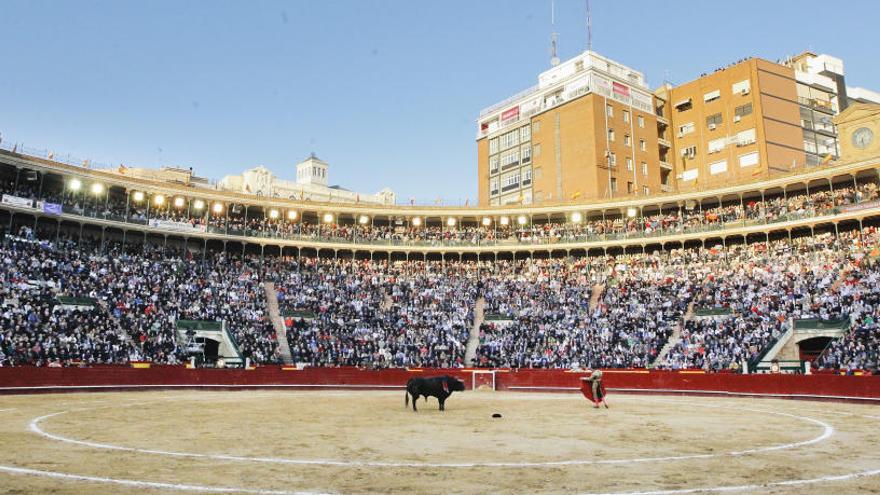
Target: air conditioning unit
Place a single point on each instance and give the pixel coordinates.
(737, 118)
(744, 92)
(712, 127)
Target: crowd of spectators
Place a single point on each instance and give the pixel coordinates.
(377, 314)
(606, 311)
(133, 302)
(238, 220)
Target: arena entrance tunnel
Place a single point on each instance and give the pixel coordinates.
(810, 349)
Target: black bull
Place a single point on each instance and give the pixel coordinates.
(440, 387)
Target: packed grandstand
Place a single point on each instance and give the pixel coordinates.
(103, 275)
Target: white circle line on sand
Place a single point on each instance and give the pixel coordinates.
(145, 484)
(222, 489)
(827, 431)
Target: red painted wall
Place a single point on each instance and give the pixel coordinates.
(27, 379)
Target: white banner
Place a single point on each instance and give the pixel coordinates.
(9, 199)
(176, 226)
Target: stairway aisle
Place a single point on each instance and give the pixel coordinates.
(277, 322)
(474, 340)
(675, 338)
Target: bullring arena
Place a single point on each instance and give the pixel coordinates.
(157, 337)
(360, 438)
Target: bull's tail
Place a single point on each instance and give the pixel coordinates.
(406, 399)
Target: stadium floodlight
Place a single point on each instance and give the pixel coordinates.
(291, 214)
(504, 221)
(363, 220)
(450, 222)
(631, 212)
(416, 221)
(521, 220)
(97, 188)
(487, 221)
(218, 207)
(138, 196)
(198, 204)
(75, 184)
(328, 218)
(159, 200)
(179, 202)
(576, 217)
(273, 214)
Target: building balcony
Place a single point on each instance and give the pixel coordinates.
(665, 188)
(662, 120)
(820, 105)
(665, 165)
(664, 142)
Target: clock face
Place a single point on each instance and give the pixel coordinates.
(862, 137)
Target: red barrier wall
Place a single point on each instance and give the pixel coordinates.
(820, 386)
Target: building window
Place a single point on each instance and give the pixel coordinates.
(741, 111)
(741, 88)
(691, 174)
(714, 121)
(537, 149)
(493, 164)
(642, 145)
(645, 169)
(509, 139)
(684, 130)
(690, 152)
(611, 135)
(718, 167)
(493, 186)
(527, 177)
(509, 158)
(629, 187)
(717, 145)
(536, 127)
(626, 140)
(748, 160)
(525, 134)
(613, 184)
(646, 191)
(626, 116)
(493, 145)
(609, 110)
(745, 137)
(641, 122)
(612, 159)
(629, 164)
(526, 154)
(712, 96)
(684, 105)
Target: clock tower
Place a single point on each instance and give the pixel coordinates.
(859, 129)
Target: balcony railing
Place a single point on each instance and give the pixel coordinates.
(664, 142)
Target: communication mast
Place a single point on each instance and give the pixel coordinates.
(554, 58)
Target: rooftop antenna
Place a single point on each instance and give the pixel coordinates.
(554, 59)
(589, 27)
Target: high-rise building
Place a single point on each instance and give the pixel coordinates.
(592, 129)
(587, 130)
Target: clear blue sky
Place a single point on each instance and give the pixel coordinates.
(386, 91)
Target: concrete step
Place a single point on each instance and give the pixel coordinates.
(474, 340)
(277, 322)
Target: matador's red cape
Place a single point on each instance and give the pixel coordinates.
(587, 390)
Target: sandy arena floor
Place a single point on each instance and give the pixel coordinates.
(274, 442)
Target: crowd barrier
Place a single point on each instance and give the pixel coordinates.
(818, 386)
